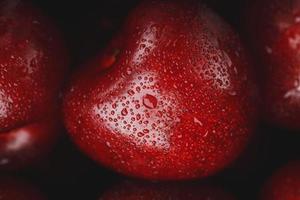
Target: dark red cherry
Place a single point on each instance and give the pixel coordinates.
(33, 62)
(284, 184)
(170, 98)
(15, 189)
(274, 30)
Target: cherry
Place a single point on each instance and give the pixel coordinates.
(129, 190)
(15, 189)
(33, 62)
(274, 28)
(171, 97)
(284, 184)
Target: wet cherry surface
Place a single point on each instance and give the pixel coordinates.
(284, 184)
(177, 102)
(275, 35)
(33, 63)
(66, 173)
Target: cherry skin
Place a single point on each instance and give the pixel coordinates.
(284, 184)
(129, 190)
(274, 29)
(15, 189)
(170, 98)
(33, 63)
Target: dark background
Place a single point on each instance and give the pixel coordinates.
(67, 174)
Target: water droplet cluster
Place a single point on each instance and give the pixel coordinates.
(140, 113)
(178, 102)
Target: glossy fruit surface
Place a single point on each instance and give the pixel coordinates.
(129, 190)
(33, 63)
(170, 98)
(274, 29)
(284, 184)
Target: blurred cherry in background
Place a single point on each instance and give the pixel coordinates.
(284, 183)
(273, 29)
(33, 66)
(12, 188)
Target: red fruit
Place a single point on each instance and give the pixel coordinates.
(33, 63)
(274, 27)
(13, 189)
(141, 191)
(284, 184)
(175, 103)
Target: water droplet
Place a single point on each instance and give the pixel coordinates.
(131, 92)
(197, 121)
(140, 134)
(138, 89)
(108, 144)
(145, 131)
(269, 50)
(149, 101)
(129, 70)
(124, 112)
